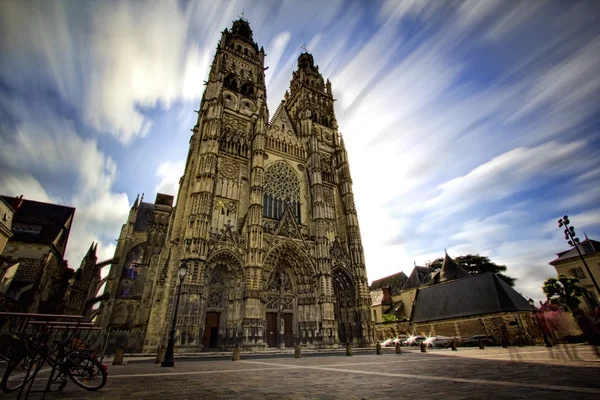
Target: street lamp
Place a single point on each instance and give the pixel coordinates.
(573, 240)
(169, 361)
(537, 317)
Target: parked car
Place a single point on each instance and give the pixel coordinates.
(487, 341)
(387, 342)
(437, 341)
(399, 339)
(414, 340)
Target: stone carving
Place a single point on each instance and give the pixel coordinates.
(215, 277)
(287, 227)
(277, 279)
(288, 303)
(282, 182)
(337, 251)
(229, 169)
(233, 126)
(272, 302)
(328, 196)
(216, 298)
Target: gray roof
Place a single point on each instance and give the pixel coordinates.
(394, 282)
(475, 295)
(588, 246)
(418, 276)
(37, 222)
(449, 271)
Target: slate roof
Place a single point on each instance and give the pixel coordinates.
(449, 271)
(37, 222)
(394, 282)
(474, 295)
(143, 219)
(418, 276)
(588, 246)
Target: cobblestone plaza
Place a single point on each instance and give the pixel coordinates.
(564, 371)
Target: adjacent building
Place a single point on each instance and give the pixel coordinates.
(569, 263)
(37, 275)
(130, 282)
(395, 294)
(265, 222)
(451, 302)
(6, 216)
(82, 296)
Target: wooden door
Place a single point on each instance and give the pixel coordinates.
(272, 329)
(289, 332)
(211, 330)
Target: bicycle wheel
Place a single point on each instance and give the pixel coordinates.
(86, 372)
(18, 372)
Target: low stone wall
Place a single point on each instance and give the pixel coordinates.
(387, 330)
(518, 325)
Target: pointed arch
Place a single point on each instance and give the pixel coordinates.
(344, 303)
(289, 255)
(230, 82)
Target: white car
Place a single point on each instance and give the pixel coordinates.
(437, 341)
(387, 342)
(414, 340)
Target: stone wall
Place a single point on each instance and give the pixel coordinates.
(518, 324)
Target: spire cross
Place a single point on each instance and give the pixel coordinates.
(242, 15)
(304, 47)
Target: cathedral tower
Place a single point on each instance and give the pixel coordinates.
(265, 217)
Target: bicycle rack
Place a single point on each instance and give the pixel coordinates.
(50, 335)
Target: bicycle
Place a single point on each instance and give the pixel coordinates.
(30, 354)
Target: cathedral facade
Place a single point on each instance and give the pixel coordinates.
(265, 221)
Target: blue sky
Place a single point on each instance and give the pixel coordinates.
(471, 126)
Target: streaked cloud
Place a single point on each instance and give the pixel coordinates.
(470, 125)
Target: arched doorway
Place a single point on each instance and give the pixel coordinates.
(280, 306)
(216, 302)
(220, 312)
(343, 289)
(289, 296)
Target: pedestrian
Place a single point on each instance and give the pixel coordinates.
(590, 327)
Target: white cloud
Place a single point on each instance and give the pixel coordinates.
(75, 173)
(275, 51)
(134, 57)
(510, 23)
(169, 173)
(505, 175)
(18, 184)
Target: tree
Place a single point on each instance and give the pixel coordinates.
(564, 291)
(389, 317)
(475, 264)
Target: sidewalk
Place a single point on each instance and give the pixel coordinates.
(150, 357)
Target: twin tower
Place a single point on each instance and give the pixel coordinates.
(265, 220)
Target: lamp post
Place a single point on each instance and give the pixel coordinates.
(573, 240)
(169, 361)
(537, 317)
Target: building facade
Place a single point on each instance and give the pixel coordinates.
(569, 263)
(6, 215)
(39, 274)
(265, 220)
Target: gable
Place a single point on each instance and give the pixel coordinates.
(282, 123)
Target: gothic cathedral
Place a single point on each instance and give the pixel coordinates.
(265, 221)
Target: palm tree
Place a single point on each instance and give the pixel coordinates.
(564, 291)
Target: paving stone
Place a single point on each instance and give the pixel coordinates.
(528, 372)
